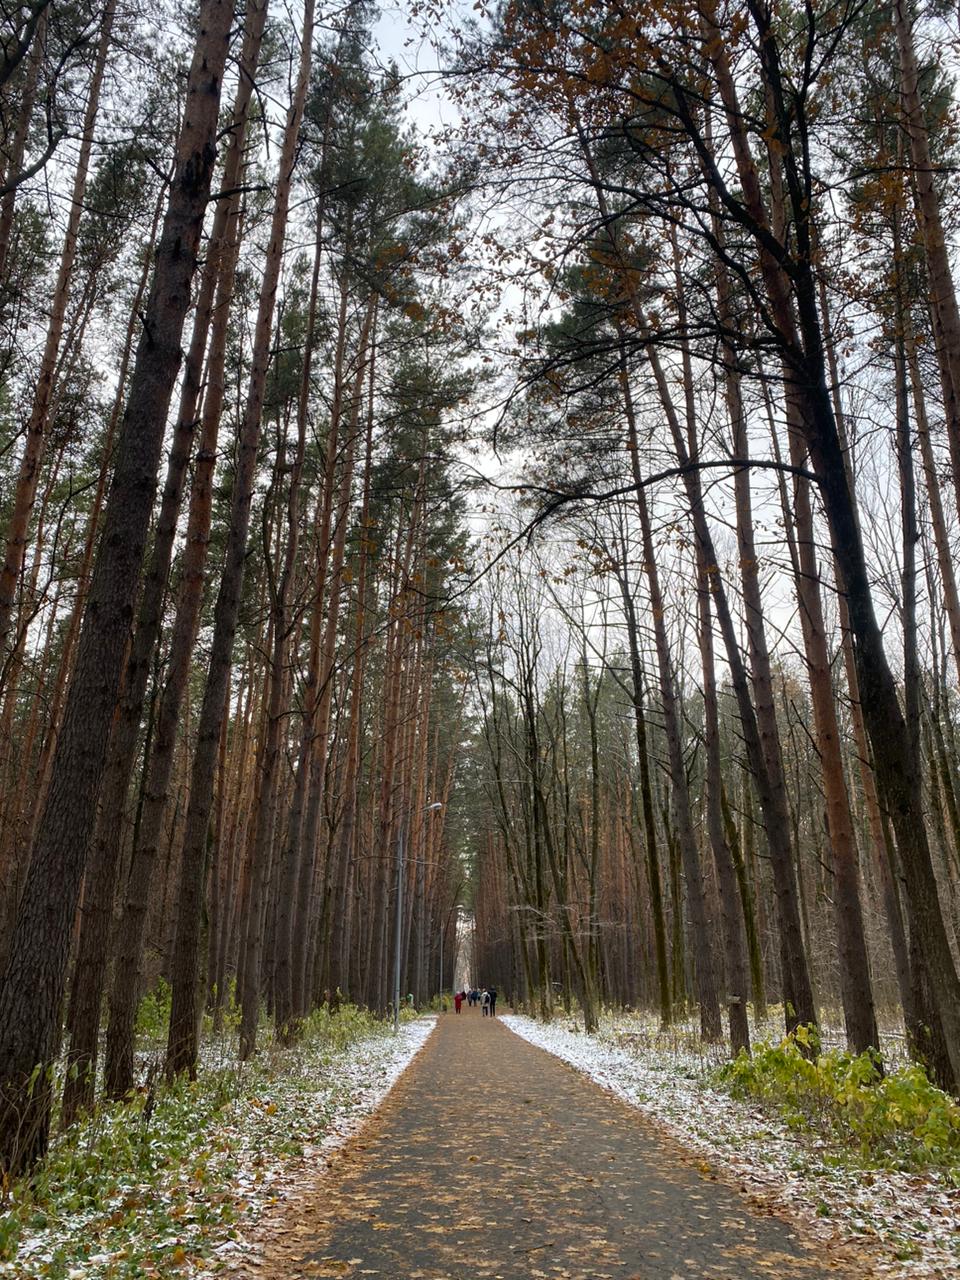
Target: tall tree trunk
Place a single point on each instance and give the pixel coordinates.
(220, 272)
(333, 574)
(943, 297)
(749, 897)
(32, 988)
(646, 800)
(705, 977)
(89, 975)
(855, 983)
(184, 1015)
(270, 745)
(732, 917)
(346, 854)
(290, 852)
(799, 1005)
(93, 524)
(941, 540)
(17, 774)
(794, 310)
(14, 165)
(884, 853)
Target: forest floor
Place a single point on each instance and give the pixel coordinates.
(492, 1159)
(171, 1184)
(905, 1222)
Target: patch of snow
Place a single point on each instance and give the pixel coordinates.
(289, 1115)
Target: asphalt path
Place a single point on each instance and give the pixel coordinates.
(492, 1159)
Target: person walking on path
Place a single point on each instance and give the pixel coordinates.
(492, 993)
(458, 1001)
(485, 1002)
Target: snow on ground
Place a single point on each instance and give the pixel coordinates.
(911, 1221)
(208, 1167)
(365, 1075)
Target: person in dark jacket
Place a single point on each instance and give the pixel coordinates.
(492, 993)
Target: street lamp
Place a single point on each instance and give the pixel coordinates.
(398, 937)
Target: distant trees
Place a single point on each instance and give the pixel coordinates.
(690, 155)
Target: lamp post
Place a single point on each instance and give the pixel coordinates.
(398, 933)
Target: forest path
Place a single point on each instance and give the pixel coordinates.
(490, 1158)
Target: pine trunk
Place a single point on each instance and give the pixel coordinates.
(32, 990)
(182, 1044)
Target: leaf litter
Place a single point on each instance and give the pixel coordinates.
(187, 1195)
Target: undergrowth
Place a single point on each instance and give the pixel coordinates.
(148, 1186)
(897, 1120)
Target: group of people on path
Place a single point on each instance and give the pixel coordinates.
(486, 998)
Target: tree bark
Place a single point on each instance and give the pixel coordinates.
(213, 314)
(32, 988)
(182, 1043)
(943, 297)
(83, 1021)
(705, 978)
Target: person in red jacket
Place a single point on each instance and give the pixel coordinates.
(458, 1000)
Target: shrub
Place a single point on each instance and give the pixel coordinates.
(341, 1029)
(899, 1120)
(153, 1013)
